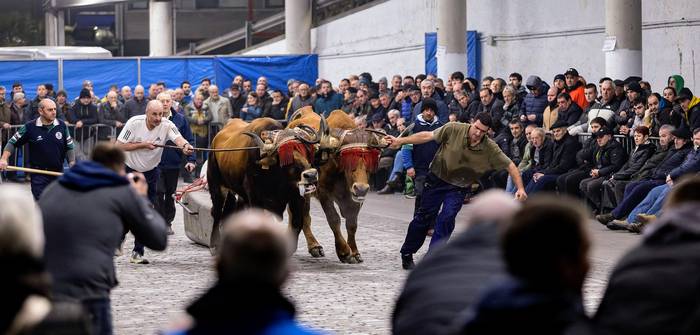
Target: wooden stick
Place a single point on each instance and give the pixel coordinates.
(49, 173)
(207, 149)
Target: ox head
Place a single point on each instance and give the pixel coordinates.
(356, 152)
(293, 149)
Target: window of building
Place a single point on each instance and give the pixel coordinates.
(221, 3)
(274, 3)
(141, 4)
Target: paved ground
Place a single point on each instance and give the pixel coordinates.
(334, 297)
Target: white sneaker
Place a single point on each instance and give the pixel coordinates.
(137, 259)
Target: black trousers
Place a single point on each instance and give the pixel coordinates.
(167, 184)
(569, 183)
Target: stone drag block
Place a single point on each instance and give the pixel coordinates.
(197, 217)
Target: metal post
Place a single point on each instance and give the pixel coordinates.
(60, 74)
(248, 34)
(623, 44)
(451, 34)
(297, 26)
(138, 70)
(119, 26)
(160, 24)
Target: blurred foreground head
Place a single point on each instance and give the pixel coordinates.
(492, 206)
(21, 250)
(254, 247)
(546, 243)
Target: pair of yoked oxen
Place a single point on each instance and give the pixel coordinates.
(329, 159)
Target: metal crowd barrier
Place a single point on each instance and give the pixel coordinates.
(626, 141)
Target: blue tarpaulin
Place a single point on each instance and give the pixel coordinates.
(473, 54)
(173, 71)
(103, 73)
(30, 73)
(277, 69)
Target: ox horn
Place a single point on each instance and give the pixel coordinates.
(306, 128)
(256, 138)
(324, 130)
(382, 143)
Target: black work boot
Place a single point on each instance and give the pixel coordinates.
(407, 262)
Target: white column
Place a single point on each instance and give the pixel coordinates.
(60, 28)
(451, 37)
(160, 27)
(623, 24)
(297, 26)
(50, 27)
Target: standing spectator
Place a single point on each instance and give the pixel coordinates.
(278, 105)
(199, 120)
(343, 86)
(218, 106)
(34, 104)
(551, 113)
(396, 85)
(513, 145)
(5, 117)
(559, 82)
(303, 99)
(50, 145)
(496, 87)
(449, 178)
(677, 82)
(62, 106)
(252, 265)
(237, 100)
(187, 94)
(574, 86)
(137, 104)
(203, 88)
(327, 99)
(171, 162)
(410, 102)
(264, 99)
(81, 116)
(516, 79)
(139, 138)
(16, 88)
(124, 94)
(464, 268)
(81, 235)
(545, 249)
(247, 86)
(361, 104)
(690, 105)
(19, 115)
(50, 93)
(251, 110)
(376, 107)
(535, 101)
(111, 113)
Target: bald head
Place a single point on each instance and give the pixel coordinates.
(47, 111)
(255, 245)
(494, 206)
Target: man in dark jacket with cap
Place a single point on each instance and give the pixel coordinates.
(563, 159)
(569, 182)
(608, 158)
(83, 114)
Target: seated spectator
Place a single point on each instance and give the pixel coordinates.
(660, 112)
(252, 266)
(511, 109)
(540, 154)
(25, 286)
(568, 111)
(690, 105)
(636, 300)
(491, 106)
(545, 249)
(568, 182)
(251, 110)
(625, 112)
(535, 102)
(513, 145)
(361, 121)
(463, 268)
(427, 90)
(376, 107)
(278, 105)
(81, 235)
(525, 161)
(413, 97)
(564, 152)
(604, 109)
(111, 113)
(608, 158)
(636, 191)
(551, 112)
(638, 164)
(636, 119)
(575, 87)
(462, 105)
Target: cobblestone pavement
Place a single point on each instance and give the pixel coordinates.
(330, 296)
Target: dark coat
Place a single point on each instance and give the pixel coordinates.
(673, 159)
(636, 161)
(563, 155)
(584, 157)
(546, 153)
(654, 287)
(571, 115)
(609, 158)
(650, 164)
(135, 107)
(506, 142)
(691, 164)
(535, 105)
(172, 158)
(463, 267)
(237, 104)
(86, 113)
(109, 116)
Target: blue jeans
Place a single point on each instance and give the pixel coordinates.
(100, 311)
(545, 183)
(652, 203)
(152, 181)
(634, 194)
(398, 166)
(437, 193)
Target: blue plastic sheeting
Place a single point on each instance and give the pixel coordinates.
(29, 73)
(173, 71)
(103, 73)
(277, 69)
(473, 54)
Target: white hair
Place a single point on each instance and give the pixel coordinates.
(21, 228)
(393, 112)
(17, 96)
(493, 206)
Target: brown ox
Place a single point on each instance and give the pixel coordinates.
(269, 176)
(352, 154)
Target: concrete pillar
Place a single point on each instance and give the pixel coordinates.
(51, 27)
(451, 37)
(297, 26)
(61, 28)
(160, 27)
(623, 24)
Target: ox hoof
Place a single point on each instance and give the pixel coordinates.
(317, 251)
(352, 259)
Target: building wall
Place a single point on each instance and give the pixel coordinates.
(546, 39)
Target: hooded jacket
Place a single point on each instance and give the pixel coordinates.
(680, 82)
(535, 104)
(647, 293)
(90, 226)
(692, 115)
